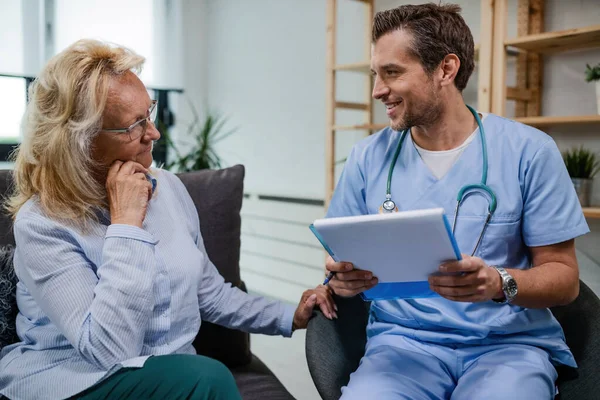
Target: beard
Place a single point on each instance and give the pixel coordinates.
(423, 114)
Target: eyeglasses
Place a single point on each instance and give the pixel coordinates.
(138, 128)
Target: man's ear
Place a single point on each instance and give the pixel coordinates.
(448, 69)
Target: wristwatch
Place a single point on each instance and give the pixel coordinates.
(509, 285)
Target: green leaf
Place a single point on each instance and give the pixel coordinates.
(592, 73)
(581, 163)
(224, 136)
(205, 134)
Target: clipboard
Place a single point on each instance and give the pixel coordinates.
(401, 249)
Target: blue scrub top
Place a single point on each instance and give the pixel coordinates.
(537, 205)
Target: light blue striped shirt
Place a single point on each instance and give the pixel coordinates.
(92, 303)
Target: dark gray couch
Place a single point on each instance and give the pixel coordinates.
(334, 348)
(218, 196)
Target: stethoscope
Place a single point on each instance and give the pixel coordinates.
(389, 206)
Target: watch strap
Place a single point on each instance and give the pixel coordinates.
(504, 277)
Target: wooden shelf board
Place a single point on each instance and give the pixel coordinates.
(371, 127)
(352, 106)
(559, 120)
(552, 42)
(591, 212)
(357, 67)
(510, 52)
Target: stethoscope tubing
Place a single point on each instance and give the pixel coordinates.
(389, 205)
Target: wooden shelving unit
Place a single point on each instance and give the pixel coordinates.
(543, 121)
(532, 44)
(364, 67)
(591, 212)
(368, 127)
(332, 104)
(559, 41)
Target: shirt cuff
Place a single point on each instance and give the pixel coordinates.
(129, 232)
(287, 320)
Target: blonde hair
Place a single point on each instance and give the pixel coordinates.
(63, 115)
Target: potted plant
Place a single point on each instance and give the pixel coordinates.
(593, 74)
(582, 166)
(202, 136)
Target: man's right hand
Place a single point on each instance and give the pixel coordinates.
(128, 193)
(348, 281)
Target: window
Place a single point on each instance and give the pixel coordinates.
(124, 22)
(11, 32)
(12, 106)
(39, 29)
(12, 100)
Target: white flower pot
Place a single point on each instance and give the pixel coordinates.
(598, 95)
(583, 188)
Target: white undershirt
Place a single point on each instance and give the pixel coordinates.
(440, 162)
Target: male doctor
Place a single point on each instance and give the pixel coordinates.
(490, 334)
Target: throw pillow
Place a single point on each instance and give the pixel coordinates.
(8, 301)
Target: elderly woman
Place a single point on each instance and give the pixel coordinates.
(114, 279)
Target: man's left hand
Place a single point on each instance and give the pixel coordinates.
(468, 280)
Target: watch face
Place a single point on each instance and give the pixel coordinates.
(511, 287)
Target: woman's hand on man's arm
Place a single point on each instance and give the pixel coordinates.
(321, 297)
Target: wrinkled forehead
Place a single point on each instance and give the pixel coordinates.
(128, 99)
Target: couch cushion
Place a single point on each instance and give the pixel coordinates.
(8, 301)
(6, 232)
(218, 196)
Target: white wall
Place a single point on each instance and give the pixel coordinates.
(258, 57)
(262, 62)
(260, 54)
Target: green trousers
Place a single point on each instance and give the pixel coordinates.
(177, 376)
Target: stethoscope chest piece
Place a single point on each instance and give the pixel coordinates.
(388, 206)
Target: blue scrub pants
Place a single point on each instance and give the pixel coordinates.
(417, 371)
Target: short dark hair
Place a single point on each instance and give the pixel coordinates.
(437, 30)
